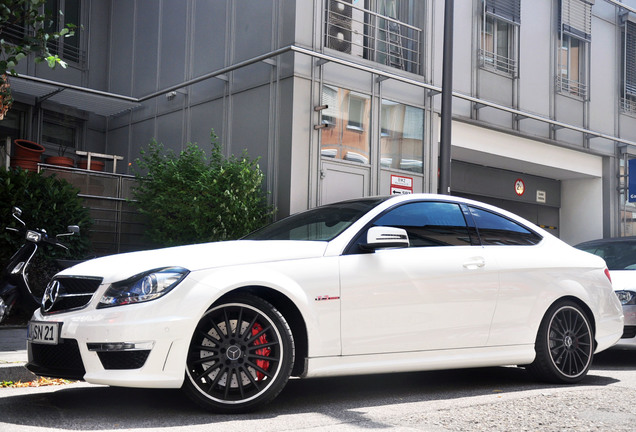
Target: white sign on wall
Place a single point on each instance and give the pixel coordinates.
(401, 185)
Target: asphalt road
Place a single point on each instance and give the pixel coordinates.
(491, 399)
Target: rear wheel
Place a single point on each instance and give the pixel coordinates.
(240, 356)
(564, 345)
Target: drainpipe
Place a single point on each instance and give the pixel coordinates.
(447, 101)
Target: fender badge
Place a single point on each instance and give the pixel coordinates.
(326, 297)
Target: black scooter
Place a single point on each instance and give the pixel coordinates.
(15, 291)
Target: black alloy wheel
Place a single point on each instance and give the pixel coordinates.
(564, 345)
(240, 356)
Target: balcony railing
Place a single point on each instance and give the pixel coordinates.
(14, 33)
(495, 62)
(372, 36)
(628, 105)
(571, 87)
(117, 224)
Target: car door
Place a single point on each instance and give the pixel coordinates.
(525, 269)
(438, 293)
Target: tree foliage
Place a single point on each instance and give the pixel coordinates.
(34, 34)
(190, 198)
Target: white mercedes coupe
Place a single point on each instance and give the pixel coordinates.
(367, 286)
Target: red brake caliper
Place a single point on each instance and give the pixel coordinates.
(263, 364)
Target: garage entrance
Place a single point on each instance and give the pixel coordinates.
(534, 198)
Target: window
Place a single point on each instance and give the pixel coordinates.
(575, 27)
(429, 223)
(356, 112)
(60, 132)
(401, 137)
(384, 31)
(618, 255)
(629, 68)
(14, 124)
(497, 230)
(347, 116)
(500, 27)
(64, 12)
(318, 224)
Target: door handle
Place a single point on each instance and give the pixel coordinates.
(474, 263)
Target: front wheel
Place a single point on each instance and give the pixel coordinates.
(564, 345)
(240, 356)
(4, 309)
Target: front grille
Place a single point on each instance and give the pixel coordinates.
(629, 332)
(72, 293)
(57, 361)
(123, 359)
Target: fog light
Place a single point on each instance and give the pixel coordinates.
(120, 346)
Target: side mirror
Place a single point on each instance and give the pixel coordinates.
(17, 212)
(382, 237)
(73, 229)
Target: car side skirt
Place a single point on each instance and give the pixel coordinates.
(420, 361)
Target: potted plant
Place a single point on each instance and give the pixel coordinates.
(26, 154)
(60, 159)
(96, 165)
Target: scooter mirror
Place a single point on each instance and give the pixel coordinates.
(17, 212)
(73, 229)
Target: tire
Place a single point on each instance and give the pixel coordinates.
(564, 346)
(4, 309)
(234, 368)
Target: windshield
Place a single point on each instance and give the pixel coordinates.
(319, 224)
(617, 255)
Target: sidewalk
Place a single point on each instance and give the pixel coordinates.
(13, 354)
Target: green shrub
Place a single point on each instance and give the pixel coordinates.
(188, 198)
(46, 202)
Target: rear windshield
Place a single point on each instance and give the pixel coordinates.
(618, 256)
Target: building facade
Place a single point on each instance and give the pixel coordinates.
(341, 98)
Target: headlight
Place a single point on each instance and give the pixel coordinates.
(143, 287)
(626, 297)
(33, 236)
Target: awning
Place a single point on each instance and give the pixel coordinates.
(85, 99)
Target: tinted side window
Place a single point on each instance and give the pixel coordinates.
(497, 230)
(429, 223)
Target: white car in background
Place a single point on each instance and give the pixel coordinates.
(620, 256)
(367, 286)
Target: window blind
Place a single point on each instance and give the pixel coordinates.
(509, 10)
(576, 18)
(630, 58)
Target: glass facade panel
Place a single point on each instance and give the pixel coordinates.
(401, 138)
(346, 136)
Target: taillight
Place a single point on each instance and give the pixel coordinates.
(607, 273)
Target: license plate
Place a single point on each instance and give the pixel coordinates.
(44, 332)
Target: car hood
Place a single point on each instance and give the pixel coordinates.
(196, 257)
(623, 279)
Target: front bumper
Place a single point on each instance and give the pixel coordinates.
(629, 330)
(121, 346)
